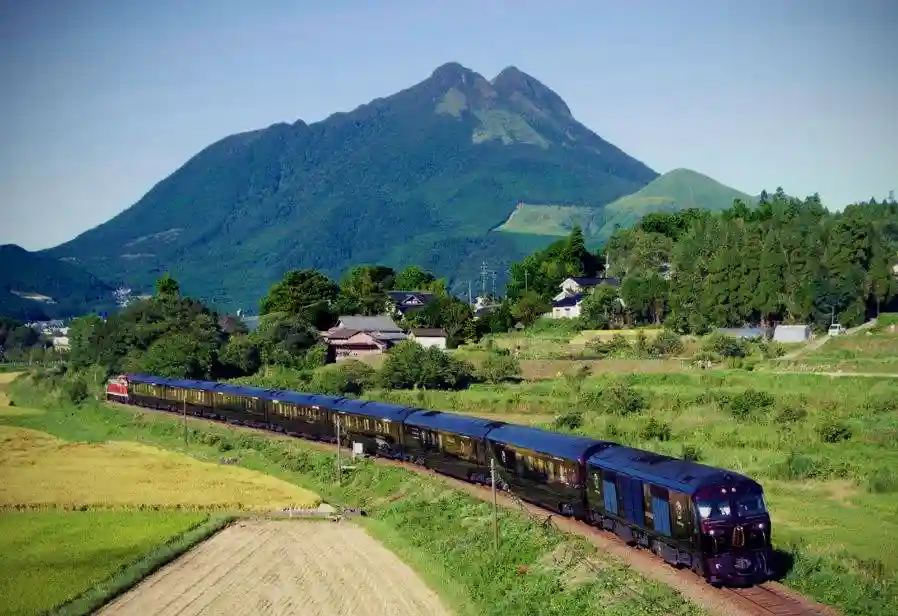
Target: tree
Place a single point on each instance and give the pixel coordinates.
(529, 307)
(240, 356)
(167, 287)
(366, 286)
(409, 365)
(306, 293)
(602, 308)
(414, 278)
(284, 339)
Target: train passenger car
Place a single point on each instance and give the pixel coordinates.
(711, 520)
(545, 468)
(374, 425)
(301, 414)
(449, 443)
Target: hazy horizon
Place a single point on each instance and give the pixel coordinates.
(104, 100)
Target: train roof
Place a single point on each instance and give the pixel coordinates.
(381, 410)
(463, 425)
(664, 471)
(566, 446)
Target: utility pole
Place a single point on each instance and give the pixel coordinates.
(526, 280)
(339, 470)
(184, 408)
(495, 505)
(493, 273)
(470, 299)
(483, 279)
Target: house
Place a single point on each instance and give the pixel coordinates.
(567, 307)
(60, 343)
(357, 336)
(428, 337)
(581, 286)
(403, 302)
(484, 305)
(792, 333)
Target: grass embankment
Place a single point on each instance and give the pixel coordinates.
(823, 447)
(871, 351)
(444, 534)
(81, 523)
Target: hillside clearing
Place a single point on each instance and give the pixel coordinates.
(308, 568)
(38, 470)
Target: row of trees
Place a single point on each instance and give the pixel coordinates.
(786, 260)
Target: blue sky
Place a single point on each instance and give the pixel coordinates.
(101, 100)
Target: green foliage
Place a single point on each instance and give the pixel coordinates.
(667, 344)
(409, 365)
(833, 431)
(76, 390)
(529, 306)
(602, 309)
(498, 367)
(284, 340)
(690, 452)
(241, 355)
(167, 287)
(725, 346)
(655, 430)
(750, 403)
(622, 399)
(307, 294)
(569, 420)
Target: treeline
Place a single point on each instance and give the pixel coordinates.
(20, 343)
(786, 261)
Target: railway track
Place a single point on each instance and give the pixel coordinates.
(768, 599)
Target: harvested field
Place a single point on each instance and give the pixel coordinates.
(268, 567)
(41, 471)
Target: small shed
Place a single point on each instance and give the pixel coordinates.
(792, 333)
(428, 337)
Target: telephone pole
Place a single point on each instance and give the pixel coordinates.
(339, 470)
(483, 279)
(495, 505)
(493, 273)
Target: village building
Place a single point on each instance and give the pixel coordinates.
(792, 333)
(428, 337)
(566, 304)
(358, 336)
(403, 302)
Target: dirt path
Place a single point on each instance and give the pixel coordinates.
(815, 344)
(5, 379)
(283, 567)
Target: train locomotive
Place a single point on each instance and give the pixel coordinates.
(710, 520)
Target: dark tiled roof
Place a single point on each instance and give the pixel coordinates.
(586, 282)
(424, 332)
(572, 300)
(380, 323)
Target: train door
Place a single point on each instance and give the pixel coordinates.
(609, 492)
(631, 499)
(661, 511)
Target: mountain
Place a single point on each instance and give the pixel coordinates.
(35, 287)
(676, 190)
(679, 189)
(421, 176)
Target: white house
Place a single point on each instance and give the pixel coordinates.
(428, 337)
(60, 343)
(567, 307)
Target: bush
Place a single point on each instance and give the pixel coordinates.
(655, 430)
(667, 343)
(882, 481)
(749, 402)
(570, 419)
(624, 400)
(725, 346)
(76, 390)
(497, 368)
(409, 365)
(691, 453)
(617, 346)
(791, 414)
(833, 431)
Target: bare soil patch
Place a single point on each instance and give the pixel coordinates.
(283, 567)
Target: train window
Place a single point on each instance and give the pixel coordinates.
(714, 509)
(750, 504)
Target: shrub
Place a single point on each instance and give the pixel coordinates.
(882, 481)
(791, 414)
(498, 367)
(690, 452)
(797, 467)
(833, 431)
(76, 390)
(667, 343)
(624, 400)
(725, 346)
(570, 419)
(655, 430)
(749, 402)
(410, 365)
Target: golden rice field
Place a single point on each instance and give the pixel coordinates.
(40, 471)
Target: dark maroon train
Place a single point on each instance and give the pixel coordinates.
(711, 520)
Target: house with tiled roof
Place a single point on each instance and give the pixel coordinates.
(404, 302)
(354, 336)
(566, 304)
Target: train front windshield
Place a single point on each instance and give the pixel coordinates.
(743, 505)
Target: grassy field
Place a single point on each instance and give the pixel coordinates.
(80, 522)
(445, 535)
(555, 220)
(51, 557)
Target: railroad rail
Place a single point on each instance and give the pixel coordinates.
(768, 599)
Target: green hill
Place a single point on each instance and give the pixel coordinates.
(421, 176)
(676, 190)
(34, 287)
